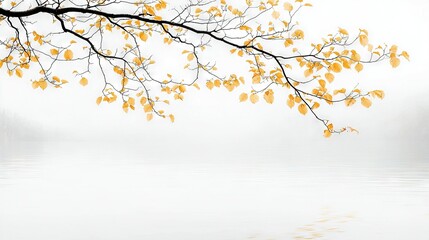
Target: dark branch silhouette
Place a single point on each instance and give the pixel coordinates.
(116, 36)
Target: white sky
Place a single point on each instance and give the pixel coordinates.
(216, 118)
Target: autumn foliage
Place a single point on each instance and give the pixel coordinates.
(110, 42)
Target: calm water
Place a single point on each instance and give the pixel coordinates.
(65, 191)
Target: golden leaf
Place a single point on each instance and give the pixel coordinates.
(288, 7)
(327, 133)
(143, 101)
(342, 90)
(99, 99)
(254, 98)
(132, 101)
(302, 108)
(209, 85)
(83, 81)
(330, 77)
(147, 108)
(405, 55)
(366, 102)
(149, 116)
(54, 51)
(171, 116)
(290, 102)
(394, 61)
(316, 105)
(18, 72)
(269, 96)
(299, 34)
(143, 36)
(336, 67)
(343, 31)
(68, 54)
(350, 101)
(35, 84)
(359, 67)
(43, 85)
(217, 83)
(190, 57)
(377, 93)
(243, 97)
(363, 39)
(182, 88)
(276, 14)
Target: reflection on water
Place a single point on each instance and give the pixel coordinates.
(131, 191)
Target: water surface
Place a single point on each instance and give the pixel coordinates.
(93, 190)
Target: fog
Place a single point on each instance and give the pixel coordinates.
(70, 169)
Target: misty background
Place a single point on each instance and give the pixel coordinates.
(70, 169)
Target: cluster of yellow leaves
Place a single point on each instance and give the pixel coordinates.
(109, 97)
(38, 38)
(394, 57)
(40, 84)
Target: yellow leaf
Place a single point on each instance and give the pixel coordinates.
(377, 93)
(363, 39)
(290, 102)
(299, 34)
(336, 67)
(43, 85)
(243, 97)
(316, 105)
(80, 31)
(35, 84)
(327, 133)
(147, 108)
(308, 72)
(350, 101)
(302, 108)
(68, 54)
(394, 61)
(359, 67)
(240, 53)
(342, 90)
(132, 101)
(254, 98)
(18, 72)
(190, 56)
(196, 86)
(269, 96)
(149, 9)
(143, 101)
(149, 116)
(182, 88)
(405, 55)
(99, 99)
(54, 51)
(288, 7)
(125, 107)
(83, 81)
(276, 15)
(366, 102)
(143, 36)
(171, 116)
(330, 77)
(394, 49)
(118, 70)
(343, 31)
(209, 85)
